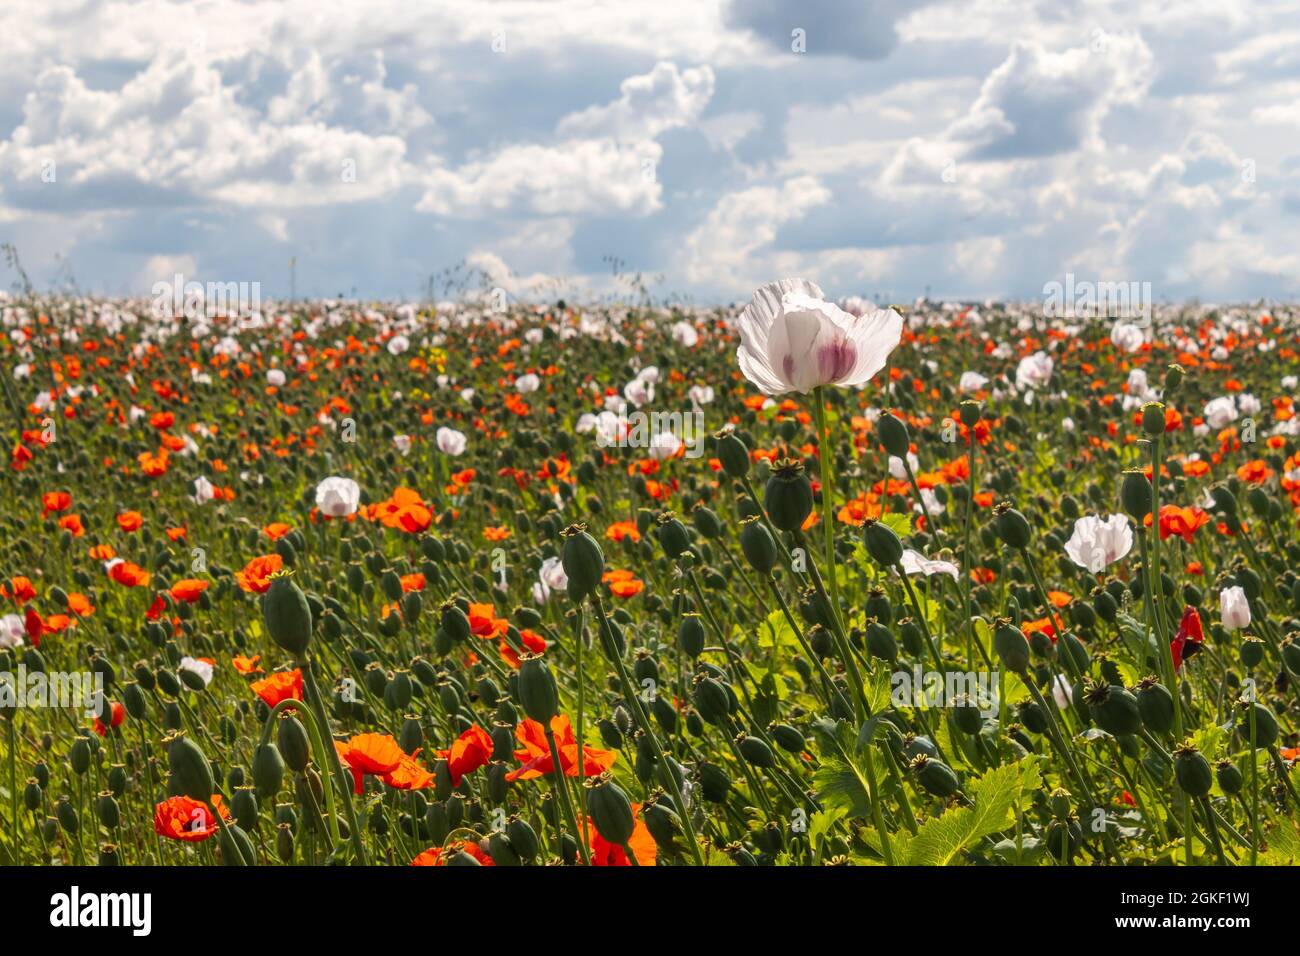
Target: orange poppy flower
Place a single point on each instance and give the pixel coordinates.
(369, 753)
(535, 756)
(620, 530)
(188, 590)
(282, 685)
(21, 590)
(483, 621)
(102, 552)
(80, 605)
(413, 582)
(434, 855)
(72, 523)
(256, 575)
(276, 530)
(468, 752)
(497, 533)
(182, 818)
(130, 521)
(623, 584)
(604, 853)
(129, 575)
(1180, 521)
(247, 665)
(55, 501)
(408, 775)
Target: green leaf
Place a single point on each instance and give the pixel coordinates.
(840, 786)
(994, 796)
(898, 522)
(820, 825)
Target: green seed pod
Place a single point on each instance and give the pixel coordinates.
(284, 842)
(522, 838)
(756, 751)
(1155, 705)
(582, 560)
(881, 643)
(501, 850)
(1012, 527)
(1153, 419)
(712, 701)
(715, 783)
(236, 847)
(1032, 716)
(706, 522)
(759, 547)
(293, 744)
(967, 716)
(882, 544)
(107, 810)
(673, 536)
(244, 806)
(268, 770)
(1114, 709)
(610, 809)
(1291, 654)
(1229, 776)
(788, 496)
(287, 616)
(67, 816)
(690, 635)
(787, 738)
(1192, 771)
(935, 776)
(732, 453)
(892, 433)
(1251, 651)
(190, 768)
(1011, 647)
(1265, 724)
(1135, 494)
(538, 693)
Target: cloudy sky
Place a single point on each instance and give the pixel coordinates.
(879, 147)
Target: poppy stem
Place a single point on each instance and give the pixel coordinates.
(566, 800)
(330, 762)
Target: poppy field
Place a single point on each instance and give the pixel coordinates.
(791, 583)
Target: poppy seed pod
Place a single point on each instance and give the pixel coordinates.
(712, 700)
(690, 635)
(755, 751)
(706, 521)
(788, 496)
(1011, 647)
(582, 560)
(522, 837)
(1192, 771)
(893, 435)
(1156, 705)
(673, 536)
(1174, 378)
(935, 776)
(1265, 724)
(190, 768)
(1135, 494)
(268, 770)
(732, 453)
(537, 690)
(1012, 527)
(293, 744)
(1153, 419)
(882, 543)
(1114, 709)
(287, 616)
(1229, 776)
(758, 545)
(610, 809)
(969, 413)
